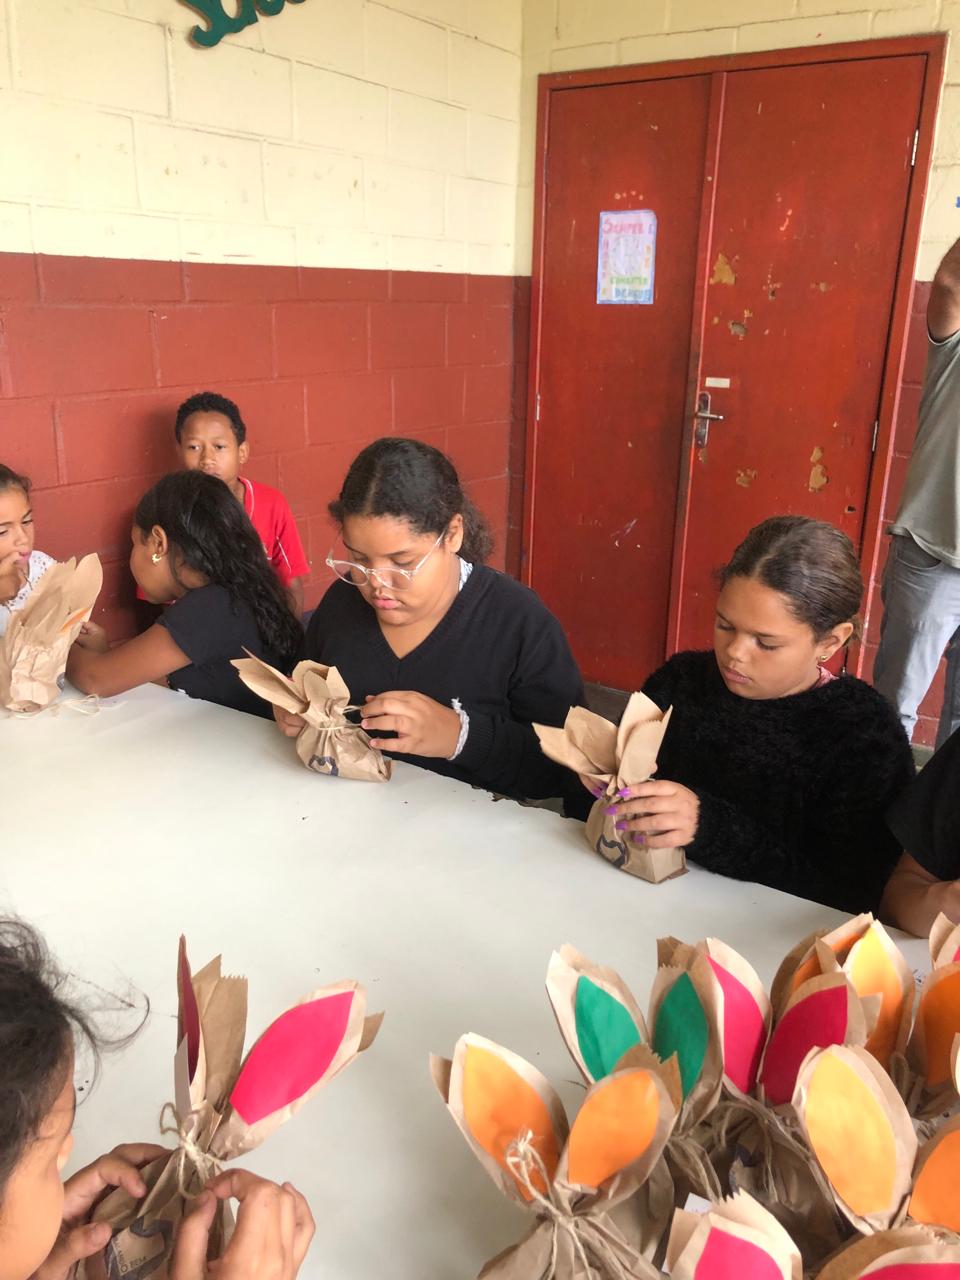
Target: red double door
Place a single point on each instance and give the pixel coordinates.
(780, 196)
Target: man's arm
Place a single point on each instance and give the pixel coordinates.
(943, 309)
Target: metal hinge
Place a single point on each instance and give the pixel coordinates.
(916, 139)
(537, 418)
(876, 432)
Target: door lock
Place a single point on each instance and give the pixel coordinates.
(703, 418)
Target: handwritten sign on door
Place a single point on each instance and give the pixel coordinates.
(627, 257)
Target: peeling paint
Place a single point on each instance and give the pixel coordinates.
(822, 286)
(746, 478)
(716, 319)
(786, 222)
(722, 271)
(738, 329)
(819, 479)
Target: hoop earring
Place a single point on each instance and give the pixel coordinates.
(156, 557)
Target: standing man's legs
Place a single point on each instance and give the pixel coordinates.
(921, 615)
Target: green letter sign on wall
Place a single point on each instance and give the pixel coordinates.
(222, 24)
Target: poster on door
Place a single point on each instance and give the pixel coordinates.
(627, 257)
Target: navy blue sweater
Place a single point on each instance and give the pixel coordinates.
(498, 649)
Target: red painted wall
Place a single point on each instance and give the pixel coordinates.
(96, 354)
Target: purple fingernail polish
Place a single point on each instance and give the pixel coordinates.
(619, 826)
(639, 838)
(612, 810)
(625, 792)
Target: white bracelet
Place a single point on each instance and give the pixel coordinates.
(464, 728)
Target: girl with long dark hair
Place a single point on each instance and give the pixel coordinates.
(452, 661)
(193, 545)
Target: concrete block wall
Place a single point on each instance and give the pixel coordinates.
(96, 354)
(364, 133)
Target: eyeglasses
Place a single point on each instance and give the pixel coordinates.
(392, 579)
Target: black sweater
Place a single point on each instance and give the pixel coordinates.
(497, 649)
(792, 790)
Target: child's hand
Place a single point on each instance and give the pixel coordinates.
(274, 1230)
(423, 727)
(93, 637)
(13, 576)
(659, 815)
(79, 1239)
(290, 725)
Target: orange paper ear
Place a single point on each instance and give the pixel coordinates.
(803, 962)
(624, 1122)
(498, 1099)
(860, 1132)
(938, 1023)
(935, 1200)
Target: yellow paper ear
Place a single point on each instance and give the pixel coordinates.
(625, 1120)
(876, 967)
(500, 1100)
(860, 1132)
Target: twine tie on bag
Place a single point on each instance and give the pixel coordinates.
(523, 1160)
(191, 1158)
(522, 1157)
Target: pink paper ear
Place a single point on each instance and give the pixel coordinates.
(291, 1056)
(188, 1023)
(728, 1257)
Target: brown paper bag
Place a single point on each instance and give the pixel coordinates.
(34, 648)
(610, 756)
(328, 742)
(569, 1178)
(227, 1104)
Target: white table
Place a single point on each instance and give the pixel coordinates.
(162, 815)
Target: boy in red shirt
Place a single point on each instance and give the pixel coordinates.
(212, 437)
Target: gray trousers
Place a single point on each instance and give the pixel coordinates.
(921, 621)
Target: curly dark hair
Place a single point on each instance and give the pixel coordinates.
(811, 562)
(412, 481)
(214, 537)
(10, 479)
(38, 1032)
(211, 402)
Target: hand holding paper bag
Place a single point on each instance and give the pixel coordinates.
(34, 648)
(612, 757)
(227, 1104)
(328, 742)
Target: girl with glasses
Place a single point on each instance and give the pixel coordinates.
(451, 661)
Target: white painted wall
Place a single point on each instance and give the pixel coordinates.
(362, 133)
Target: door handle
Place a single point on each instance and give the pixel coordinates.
(703, 418)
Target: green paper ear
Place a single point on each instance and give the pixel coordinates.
(605, 1028)
(681, 1028)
